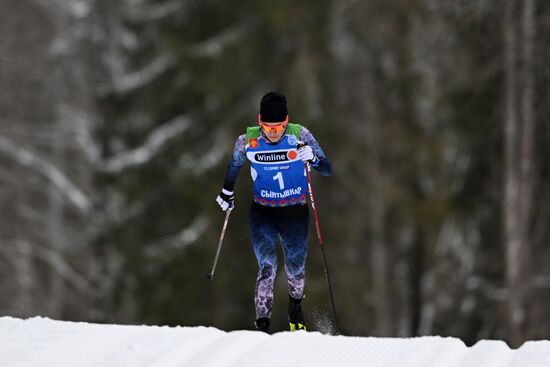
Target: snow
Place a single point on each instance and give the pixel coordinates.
(43, 342)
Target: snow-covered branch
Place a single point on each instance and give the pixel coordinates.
(197, 165)
(180, 240)
(194, 231)
(40, 165)
(62, 267)
(51, 257)
(214, 46)
(22, 251)
(77, 9)
(155, 11)
(150, 148)
(131, 81)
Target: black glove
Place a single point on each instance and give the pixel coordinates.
(225, 199)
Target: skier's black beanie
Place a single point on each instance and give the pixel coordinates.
(273, 107)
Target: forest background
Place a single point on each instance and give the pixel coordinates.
(118, 118)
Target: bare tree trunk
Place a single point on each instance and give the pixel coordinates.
(24, 276)
(511, 220)
(380, 271)
(527, 177)
(518, 157)
(55, 238)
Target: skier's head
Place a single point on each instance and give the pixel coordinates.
(273, 108)
(273, 116)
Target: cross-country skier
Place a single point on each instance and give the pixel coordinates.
(277, 151)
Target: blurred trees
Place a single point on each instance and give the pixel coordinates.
(47, 161)
(431, 111)
(519, 171)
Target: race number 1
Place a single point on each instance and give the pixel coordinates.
(279, 176)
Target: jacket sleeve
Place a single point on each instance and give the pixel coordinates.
(323, 165)
(235, 164)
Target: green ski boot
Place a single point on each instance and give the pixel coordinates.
(295, 315)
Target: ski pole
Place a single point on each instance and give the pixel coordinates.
(318, 227)
(211, 274)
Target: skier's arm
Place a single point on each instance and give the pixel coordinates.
(235, 164)
(226, 197)
(322, 164)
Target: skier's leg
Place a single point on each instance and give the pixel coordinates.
(263, 233)
(294, 231)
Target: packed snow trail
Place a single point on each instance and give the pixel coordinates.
(39, 342)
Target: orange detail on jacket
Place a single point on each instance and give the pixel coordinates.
(253, 143)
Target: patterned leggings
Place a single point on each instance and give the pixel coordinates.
(291, 223)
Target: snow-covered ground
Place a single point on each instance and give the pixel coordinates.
(39, 342)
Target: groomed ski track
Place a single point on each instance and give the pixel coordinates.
(43, 342)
